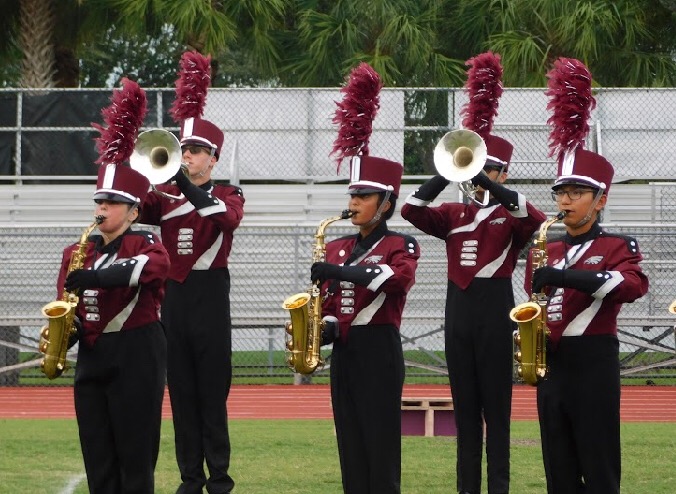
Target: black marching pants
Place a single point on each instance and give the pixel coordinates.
(479, 355)
(367, 377)
(119, 388)
(196, 315)
(579, 412)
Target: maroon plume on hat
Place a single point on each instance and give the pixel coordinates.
(354, 116)
(484, 88)
(571, 101)
(191, 96)
(117, 181)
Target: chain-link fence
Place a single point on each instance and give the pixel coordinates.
(280, 136)
(287, 134)
(270, 263)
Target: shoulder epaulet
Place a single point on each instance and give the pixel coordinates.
(555, 238)
(347, 237)
(409, 240)
(148, 235)
(631, 242)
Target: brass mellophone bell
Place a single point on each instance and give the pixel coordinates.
(157, 156)
(460, 155)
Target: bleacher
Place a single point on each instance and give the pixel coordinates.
(271, 257)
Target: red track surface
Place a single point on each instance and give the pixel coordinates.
(639, 403)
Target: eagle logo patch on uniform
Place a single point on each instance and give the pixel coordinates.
(497, 221)
(373, 259)
(593, 260)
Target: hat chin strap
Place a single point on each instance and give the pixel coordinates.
(379, 212)
(589, 214)
(204, 170)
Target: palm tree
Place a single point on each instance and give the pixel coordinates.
(623, 42)
(398, 38)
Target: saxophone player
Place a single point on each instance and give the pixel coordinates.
(590, 274)
(366, 278)
(482, 245)
(121, 364)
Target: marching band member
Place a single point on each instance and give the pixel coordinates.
(367, 277)
(119, 378)
(482, 246)
(590, 274)
(197, 231)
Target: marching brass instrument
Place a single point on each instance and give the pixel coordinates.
(531, 317)
(672, 307)
(61, 315)
(460, 155)
(157, 156)
(304, 331)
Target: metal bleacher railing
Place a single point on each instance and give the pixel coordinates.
(289, 188)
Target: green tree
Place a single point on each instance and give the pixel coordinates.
(623, 42)
(400, 39)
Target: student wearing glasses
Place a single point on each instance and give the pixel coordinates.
(590, 274)
(197, 230)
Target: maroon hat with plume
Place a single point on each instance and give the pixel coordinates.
(354, 116)
(571, 102)
(117, 181)
(484, 88)
(191, 95)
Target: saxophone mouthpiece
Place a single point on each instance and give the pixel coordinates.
(347, 213)
(99, 219)
(561, 215)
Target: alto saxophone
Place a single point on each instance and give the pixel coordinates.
(61, 315)
(304, 331)
(531, 317)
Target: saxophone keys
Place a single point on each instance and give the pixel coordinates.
(288, 327)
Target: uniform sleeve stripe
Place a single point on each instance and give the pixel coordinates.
(381, 278)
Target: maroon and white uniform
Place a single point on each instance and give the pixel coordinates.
(197, 236)
(615, 259)
(388, 266)
(197, 231)
(367, 363)
(482, 248)
(480, 242)
(122, 360)
(141, 261)
(579, 401)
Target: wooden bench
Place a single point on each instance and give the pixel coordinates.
(427, 417)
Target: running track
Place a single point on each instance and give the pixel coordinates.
(638, 404)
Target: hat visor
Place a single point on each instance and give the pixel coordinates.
(110, 196)
(360, 191)
(574, 181)
(199, 142)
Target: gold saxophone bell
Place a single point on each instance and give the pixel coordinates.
(529, 340)
(304, 331)
(460, 155)
(157, 156)
(57, 332)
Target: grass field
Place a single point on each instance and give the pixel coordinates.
(300, 457)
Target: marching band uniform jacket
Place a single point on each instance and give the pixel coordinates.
(367, 363)
(386, 272)
(480, 242)
(579, 401)
(617, 279)
(136, 265)
(197, 232)
(482, 248)
(121, 363)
